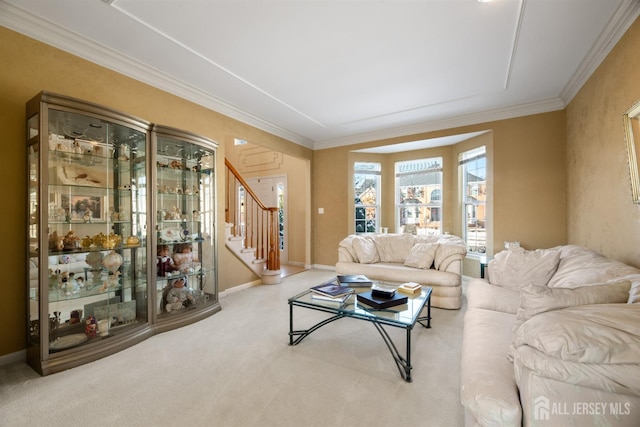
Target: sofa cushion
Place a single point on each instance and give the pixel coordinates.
(517, 267)
(537, 374)
(584, 267)
(540, 299)
(399, 273)
(393, 247)
(421, 255)
(596, 334)
(365, 250)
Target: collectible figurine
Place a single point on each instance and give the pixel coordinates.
(90, 326)
(164, 262)
(179, 295)
(183, 257)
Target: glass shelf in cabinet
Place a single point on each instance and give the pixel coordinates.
(88, 290)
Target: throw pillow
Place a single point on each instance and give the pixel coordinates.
(393, 247)
(516, 267)
(421, 255)
(365, 250)
(581, 267)
(540, 299)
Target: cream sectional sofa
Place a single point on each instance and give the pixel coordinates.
(552, 338)
(434, 261)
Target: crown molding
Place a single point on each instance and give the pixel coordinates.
(537, 107)
(619, 23)
(46, 32)
(42, 30)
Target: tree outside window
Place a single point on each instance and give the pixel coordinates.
(419, 195)
(473, 169)
(366, 185)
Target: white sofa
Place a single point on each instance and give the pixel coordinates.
(434, 261)
(552, 338)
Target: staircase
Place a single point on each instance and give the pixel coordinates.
(251, 229)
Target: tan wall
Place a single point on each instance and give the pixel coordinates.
(29, 67)
(526, 161)
(541, 182)
(601, 214)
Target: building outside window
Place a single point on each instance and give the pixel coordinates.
(419, 196)
(473, 170)
(366, 185)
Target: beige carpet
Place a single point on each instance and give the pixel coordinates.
(236, 369)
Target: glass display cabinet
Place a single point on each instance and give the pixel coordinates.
(185, 185)
(87, 232)
(95, 189)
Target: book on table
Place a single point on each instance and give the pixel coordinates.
(410, 288)
(321, 297)
(354, 280)
(384, 291)
(381, 302)
(332, 289)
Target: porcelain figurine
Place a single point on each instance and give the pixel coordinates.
(112, 261)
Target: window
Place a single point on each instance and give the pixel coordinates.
(473, 169)
(366, 185)
(419, 196)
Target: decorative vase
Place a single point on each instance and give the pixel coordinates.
(94, 259)
(112, 261)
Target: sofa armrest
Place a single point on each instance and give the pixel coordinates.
(448, 254)
(454, 266)
(488, 385)
(344, 255)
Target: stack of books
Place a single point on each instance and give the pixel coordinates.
(331, 292)
(380, 302)
(354, 280)
(382, 296)
(410, 288)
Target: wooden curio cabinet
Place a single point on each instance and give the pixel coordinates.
(94, 201)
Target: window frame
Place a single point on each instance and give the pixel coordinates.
(474, 160)
(366, 171)
(416, 167)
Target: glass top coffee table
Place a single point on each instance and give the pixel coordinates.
(401, 316)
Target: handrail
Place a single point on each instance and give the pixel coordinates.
(251, 219)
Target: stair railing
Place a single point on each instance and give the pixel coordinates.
(251, 219)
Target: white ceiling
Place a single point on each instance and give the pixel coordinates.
(325, 73)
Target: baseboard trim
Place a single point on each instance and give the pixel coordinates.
(238, 288)
(296, 263)
(13, 358)
(324, 267)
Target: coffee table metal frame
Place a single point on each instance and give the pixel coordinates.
(403, 316)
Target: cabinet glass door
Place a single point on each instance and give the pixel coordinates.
(33, 228)
(96, 216)
(185, 218)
